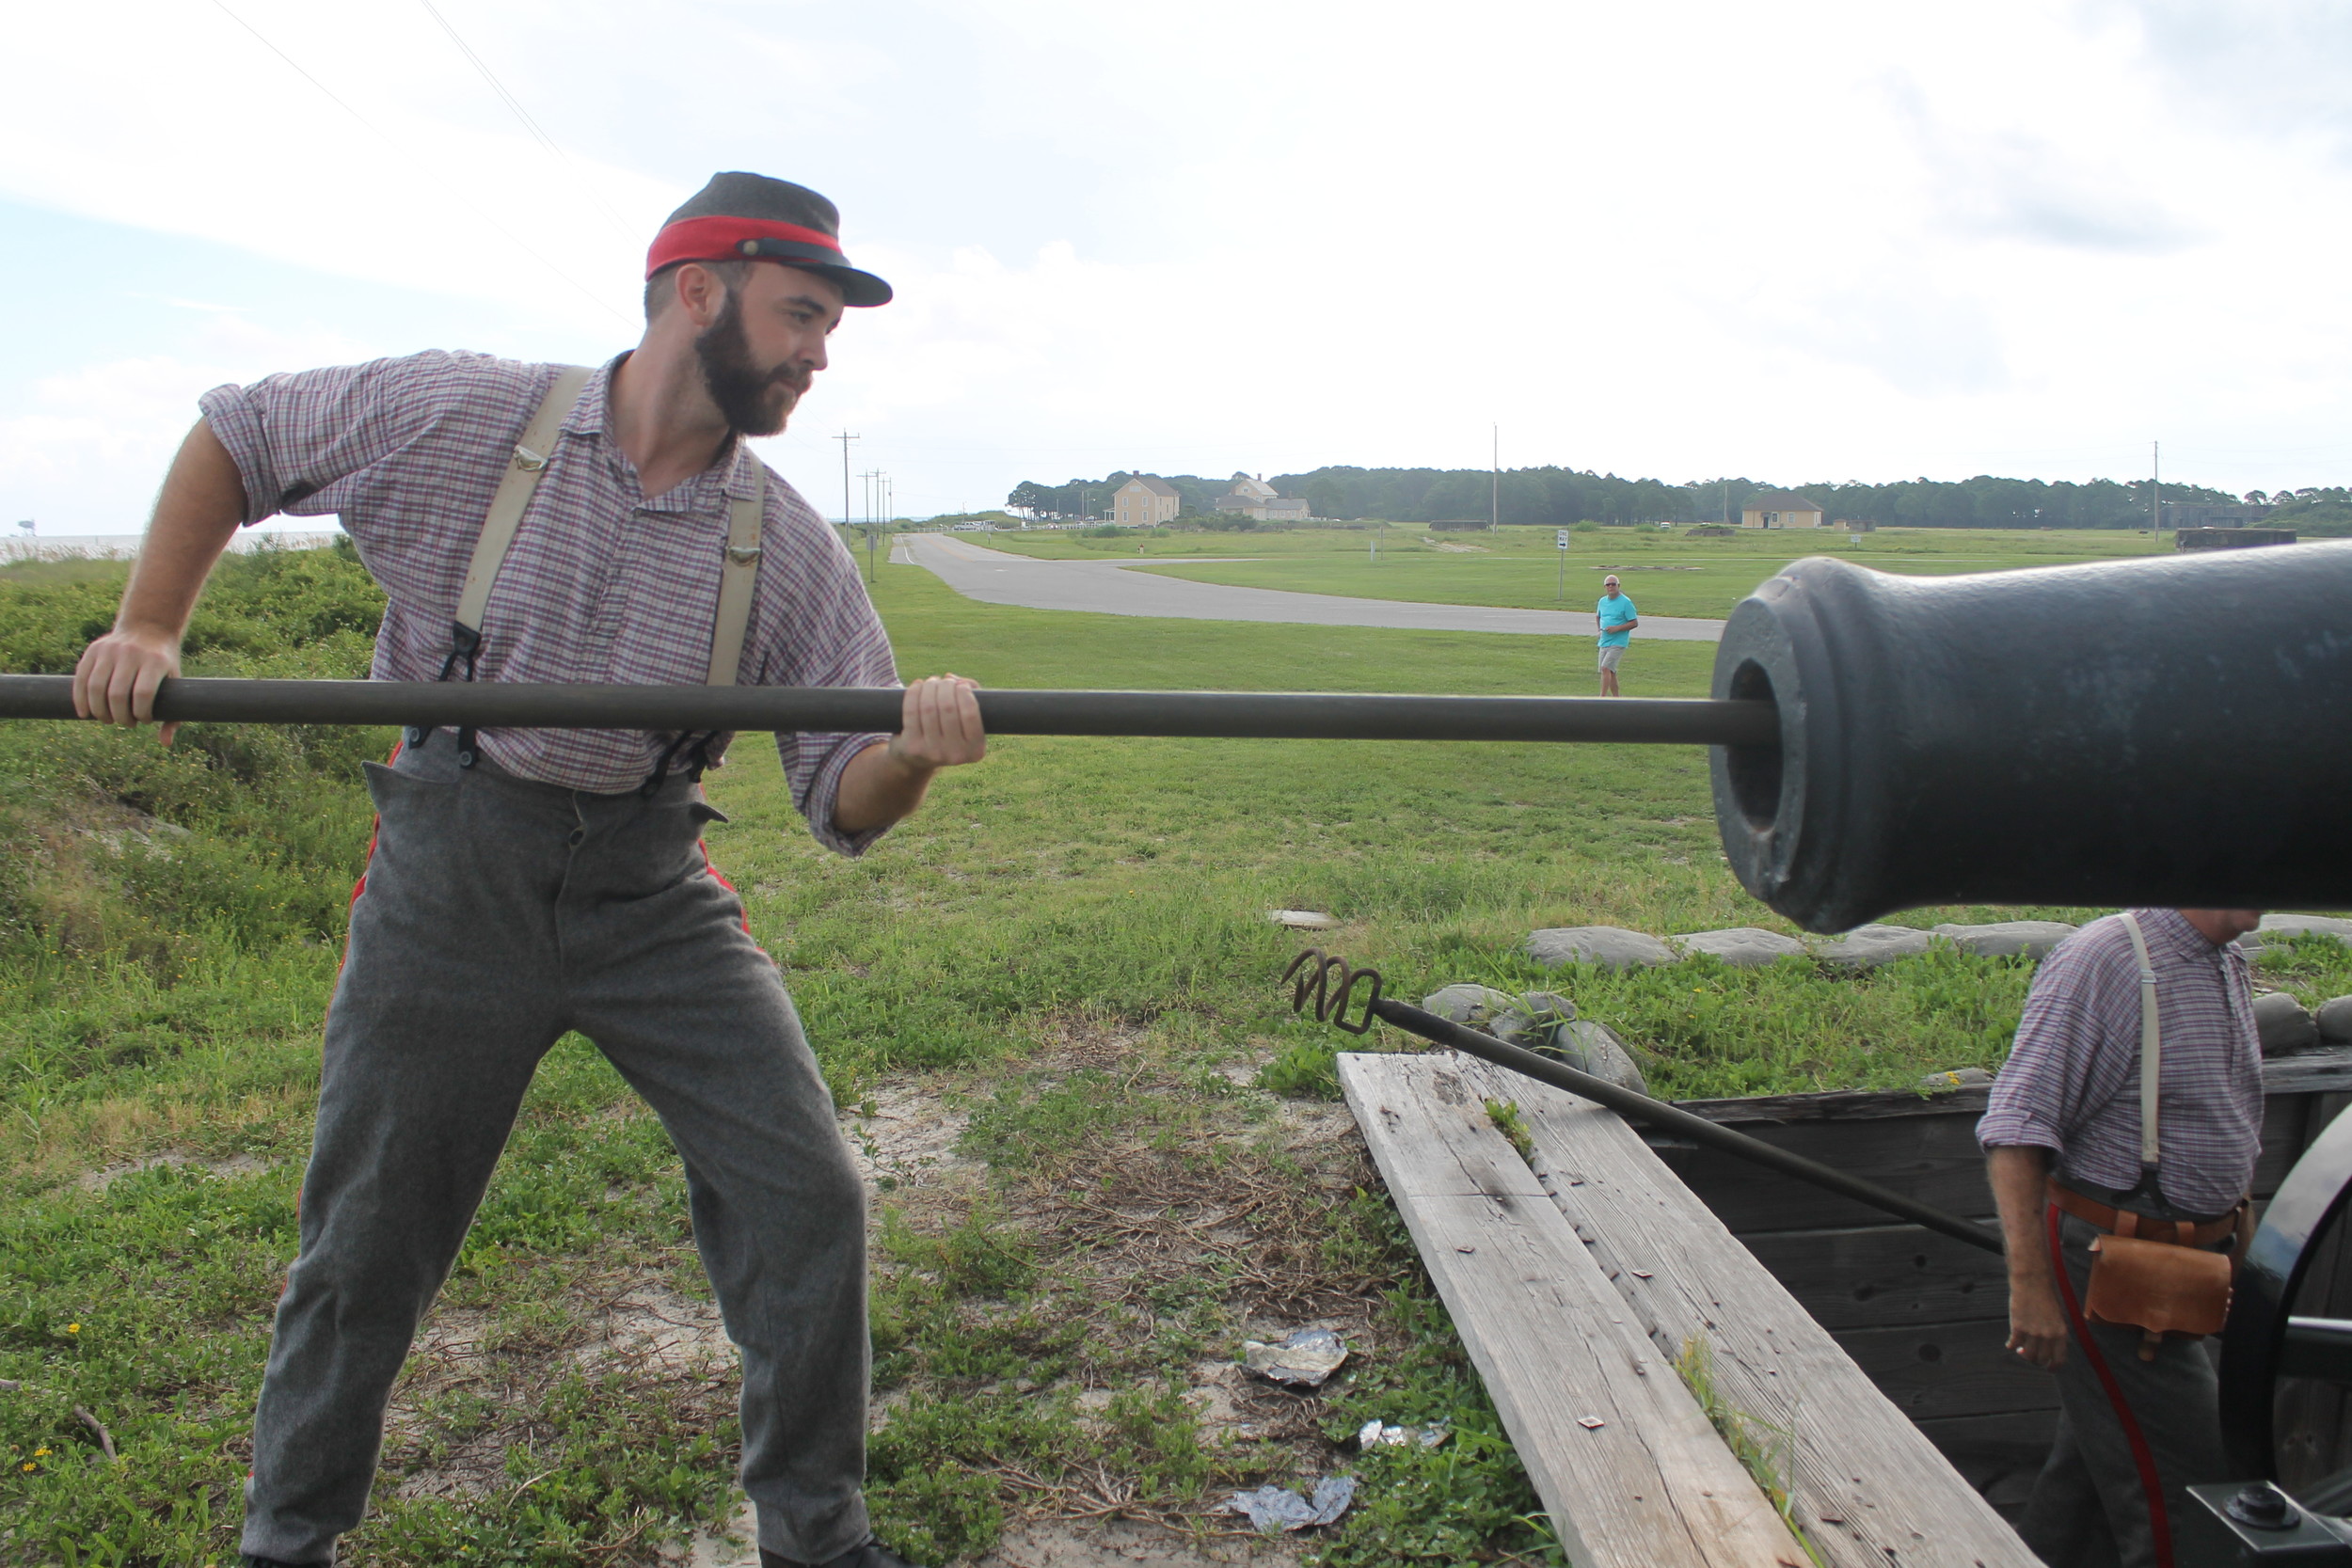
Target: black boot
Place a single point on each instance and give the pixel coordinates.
(873, 1554)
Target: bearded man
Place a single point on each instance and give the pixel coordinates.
(540, 523)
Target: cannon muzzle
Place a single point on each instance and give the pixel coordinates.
(2171, 732)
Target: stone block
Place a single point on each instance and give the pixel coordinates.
(2306, 925)
(1595, 1048)
(2283, 1025)
(1743, 946)
(2004, 939)
(1611, 946)
(1475, 1005)
(1867, 947)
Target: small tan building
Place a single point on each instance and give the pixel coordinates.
(1781, 509)
(1145, 502)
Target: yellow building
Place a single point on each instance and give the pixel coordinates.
(1780, 509)
(1145, 502)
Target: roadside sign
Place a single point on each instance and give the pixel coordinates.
(1563, 539)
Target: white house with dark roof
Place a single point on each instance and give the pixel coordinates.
(1252, 496)
(1145, 501)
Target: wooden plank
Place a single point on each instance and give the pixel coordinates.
(2328, 1071)
(1950, 1369)
(1648, 1485)
(1931, 1158)
(1983, 1447)
(1884, 1276)
(1841, 1105)
(1866, 1485)
(2306, 1072)
(2001, 1456)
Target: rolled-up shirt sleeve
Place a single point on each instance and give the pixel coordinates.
(2058, 1071)
(836, 638)
(301, 440)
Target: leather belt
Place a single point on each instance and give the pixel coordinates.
(2124, 1222)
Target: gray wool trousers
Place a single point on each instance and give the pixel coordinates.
(497, 914)
(2089, 1508)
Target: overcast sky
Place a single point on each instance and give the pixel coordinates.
(1809, 241)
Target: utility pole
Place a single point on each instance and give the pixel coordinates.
(1494, 489)
(845, 439)
(868, 479)
(2155, 488)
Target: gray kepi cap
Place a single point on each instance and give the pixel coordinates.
(740, 217)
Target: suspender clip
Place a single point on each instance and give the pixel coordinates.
(528, 461)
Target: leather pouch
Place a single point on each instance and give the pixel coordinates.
(2157, 1287)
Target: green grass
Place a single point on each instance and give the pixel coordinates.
(1665, 572)
(1068, 946)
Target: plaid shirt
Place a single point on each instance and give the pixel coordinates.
(602, 585)
(2072, 1082)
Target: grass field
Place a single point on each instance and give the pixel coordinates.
(1667, 572)
(1105, 1152)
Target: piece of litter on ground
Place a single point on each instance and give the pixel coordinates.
(1304, 920)
(1275, 1508)
(1641, 1274)
(1375, 1436)
(1304, 1360)
(1591, 1423)
(1465, 1249)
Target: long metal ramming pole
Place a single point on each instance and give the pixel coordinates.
(1273, 715)
(1327, 983)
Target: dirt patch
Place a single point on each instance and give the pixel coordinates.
(234, 1166)
(654, 1331)
(1120, 1543)
(908, 1138)
(1093, 1544)
(637, 1324)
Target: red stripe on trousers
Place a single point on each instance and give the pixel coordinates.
(2159, 1523)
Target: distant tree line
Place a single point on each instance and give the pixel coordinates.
(2315, 513)
(1079, 498)
(1561, 497)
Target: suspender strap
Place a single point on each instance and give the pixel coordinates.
(2150, 1053)
(738, 581)
(521, 481)
(738, 578)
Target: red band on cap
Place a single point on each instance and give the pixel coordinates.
(715, 238)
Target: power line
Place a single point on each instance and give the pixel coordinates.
(524, 114)
(331, 97)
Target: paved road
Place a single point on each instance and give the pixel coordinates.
(1112, 588)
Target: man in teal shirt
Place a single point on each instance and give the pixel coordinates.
(1618, 621)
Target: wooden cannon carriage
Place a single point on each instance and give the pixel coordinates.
(1864, 1354)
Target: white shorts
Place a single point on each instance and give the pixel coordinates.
(1610, 654)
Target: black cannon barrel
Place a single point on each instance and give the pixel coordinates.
(2166, 732)
(1280, 715)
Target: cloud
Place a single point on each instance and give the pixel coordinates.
(85, 451)
(2274, 68)
(2014, 184)
(1672, 240)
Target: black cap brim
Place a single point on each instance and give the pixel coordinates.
(860, 290)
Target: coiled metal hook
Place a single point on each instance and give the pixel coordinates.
(1330, 982)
